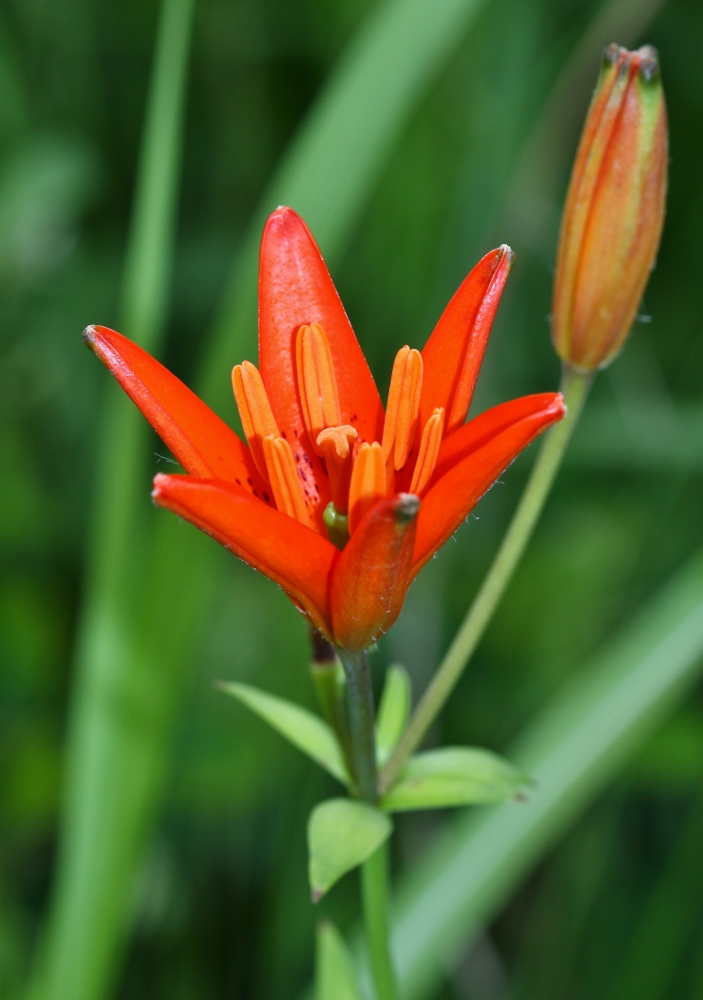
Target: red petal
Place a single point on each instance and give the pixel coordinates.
(203, 444)
(293, 556)
(471, 460)
(370, 580)
(295, 288)
(453, 354)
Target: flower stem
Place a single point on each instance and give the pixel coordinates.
(361, 722)
(374, 891)
(575, 386)
(374, 871)
(329, 682)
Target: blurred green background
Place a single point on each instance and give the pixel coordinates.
(185, 870)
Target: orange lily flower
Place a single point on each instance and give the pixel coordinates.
(324, 468)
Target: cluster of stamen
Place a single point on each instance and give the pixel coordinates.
(359, 472)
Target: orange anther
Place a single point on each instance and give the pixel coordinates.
(403, 406)
(255, 411)
(429, 450)
(285, 481)
(335, 446)
(368, 482)
(316, 381)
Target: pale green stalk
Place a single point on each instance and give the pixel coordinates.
(575, 386)
(374, 871)
(374, 892)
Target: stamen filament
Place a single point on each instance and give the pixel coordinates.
(284, 479)
(429, 450)
(316, 381)
(334, 444)
(368, 482)
(258, 421)
(403, 406)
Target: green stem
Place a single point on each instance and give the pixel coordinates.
(575, 386)
(374, 891)
(328, 678)
(374, 871)
(361, 722)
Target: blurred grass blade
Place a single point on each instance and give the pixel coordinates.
(393, 711)
(95, 865)
(338, 154)
(572, 750)
(140, 619)
(334, 972)
(666, 923)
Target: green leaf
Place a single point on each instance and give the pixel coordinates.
(392, 712)
(342, 834)
(335, 979)
(304, 730)
(453, 776)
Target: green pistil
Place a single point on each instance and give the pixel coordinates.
(337, 526)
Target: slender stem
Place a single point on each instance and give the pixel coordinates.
(328, 679)
(361, 722)
(374, 871)
(374, 891)
(575, 386)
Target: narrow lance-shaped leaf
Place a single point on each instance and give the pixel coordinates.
(303, 729)
(341, 835)
(393, 711)
(454, 776)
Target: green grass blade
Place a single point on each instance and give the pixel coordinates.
(140, 620)
(667, 922)
(338, 155)
(103, 784)
(334, 975)
(573, 749)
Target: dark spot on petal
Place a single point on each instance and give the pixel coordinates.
(250, 481)
(267, 498)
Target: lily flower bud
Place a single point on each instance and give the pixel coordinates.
(614, 211)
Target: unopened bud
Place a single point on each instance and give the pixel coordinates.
(614, 211)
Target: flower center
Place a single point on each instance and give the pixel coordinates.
(335, 445)
(360, 473)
